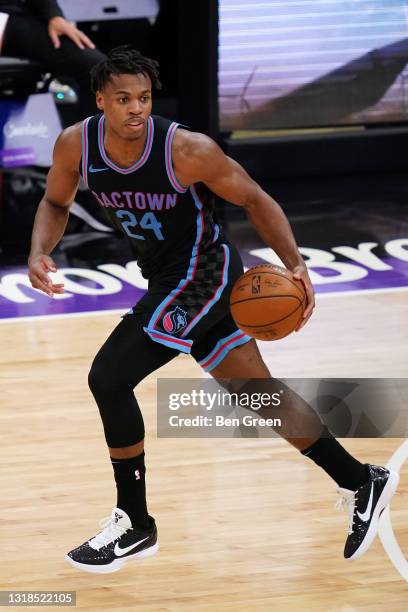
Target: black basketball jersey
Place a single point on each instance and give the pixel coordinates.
(167, 224)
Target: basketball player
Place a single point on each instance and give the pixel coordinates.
(154, 179)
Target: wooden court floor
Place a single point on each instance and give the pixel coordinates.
(243, 524)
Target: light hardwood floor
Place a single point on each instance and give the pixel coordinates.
(243, 524)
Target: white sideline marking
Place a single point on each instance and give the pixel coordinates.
(385, 530)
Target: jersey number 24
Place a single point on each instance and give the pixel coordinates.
(148, 222)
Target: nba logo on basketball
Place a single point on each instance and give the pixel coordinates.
(256, 284)
(175, 320)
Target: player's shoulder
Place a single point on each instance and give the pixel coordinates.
(68, 146)
(189, 146)
(71, 136)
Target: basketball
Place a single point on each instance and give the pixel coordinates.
(267, 303)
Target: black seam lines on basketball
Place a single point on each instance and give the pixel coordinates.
(264, 297)
(239, 323)
(280, 276)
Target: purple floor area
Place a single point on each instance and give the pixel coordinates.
(358, 246)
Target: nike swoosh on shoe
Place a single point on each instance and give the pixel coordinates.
(119, 552)
(366, 515)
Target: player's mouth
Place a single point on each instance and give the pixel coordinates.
(135, 124)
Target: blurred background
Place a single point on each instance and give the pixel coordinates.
(311, 97)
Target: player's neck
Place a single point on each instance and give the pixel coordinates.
(123, 152)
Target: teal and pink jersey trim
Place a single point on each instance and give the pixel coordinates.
(143, 158)
(183, 343)
(85, 149)
(222, 348)
(169, 161)
(101, 146)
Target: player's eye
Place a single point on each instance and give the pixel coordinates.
(123, 99)
(144, 99)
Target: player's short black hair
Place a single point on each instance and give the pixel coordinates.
(123, 60)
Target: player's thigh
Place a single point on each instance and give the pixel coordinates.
(128, 355)
(243, 361)
(225, 351)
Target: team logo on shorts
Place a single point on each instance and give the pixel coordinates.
(175, 320)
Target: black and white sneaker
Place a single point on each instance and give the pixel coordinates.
(114, 545)
(365, 507)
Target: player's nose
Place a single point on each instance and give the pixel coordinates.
(135, 108)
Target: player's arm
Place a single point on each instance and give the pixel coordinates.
(53, 211)
(197, 158)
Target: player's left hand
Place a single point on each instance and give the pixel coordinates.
(301, 273)
(58, 26)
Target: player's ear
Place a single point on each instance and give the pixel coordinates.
(99, 100)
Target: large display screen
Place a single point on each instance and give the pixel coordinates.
(307, 63)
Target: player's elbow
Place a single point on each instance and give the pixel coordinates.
(56, 204)
(253, 198)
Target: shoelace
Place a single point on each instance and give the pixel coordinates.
(111, 531)
(350, 502)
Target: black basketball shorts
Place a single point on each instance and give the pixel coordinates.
(191, 314)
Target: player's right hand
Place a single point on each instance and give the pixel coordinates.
(39, 268)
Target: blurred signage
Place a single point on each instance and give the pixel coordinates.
(28, 131)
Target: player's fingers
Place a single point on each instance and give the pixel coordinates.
(40, 273)
(59, 288)
(303, 321)
(310, 303)
(43, 278)
(298, 272)
(303, 277)
(50, 266)
(38, 284)
(47, 270)
(308, 313)
(308, 310)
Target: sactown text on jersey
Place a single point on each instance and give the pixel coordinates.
(137, 200)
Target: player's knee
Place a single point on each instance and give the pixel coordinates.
(113, 392)
(94, 379)
(104, 379)
(107, 377)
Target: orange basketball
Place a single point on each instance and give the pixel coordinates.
(267, 303)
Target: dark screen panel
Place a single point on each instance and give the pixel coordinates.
(303, 63)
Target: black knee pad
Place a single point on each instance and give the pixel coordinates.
(124, 428)
(120, 413)
(98, 379)
(124, 360)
